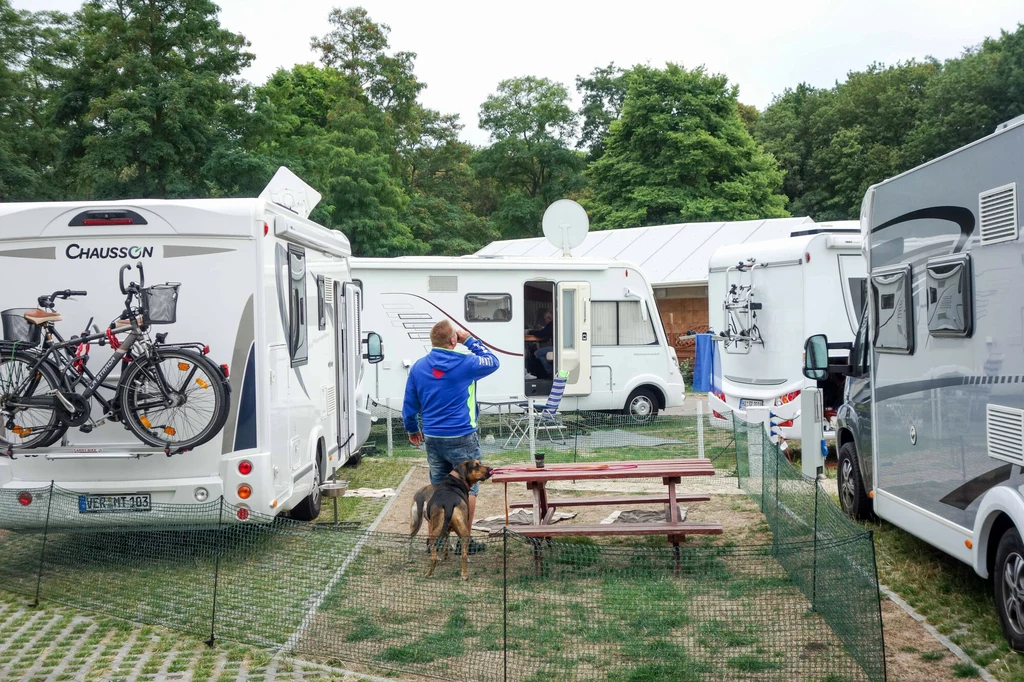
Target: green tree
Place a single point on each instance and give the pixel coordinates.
(602, 92)
(144, 101)
(33, 53)
(679, 152)
(529, 161)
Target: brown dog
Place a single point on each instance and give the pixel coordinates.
(446, 507)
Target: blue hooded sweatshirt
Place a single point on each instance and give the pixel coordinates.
(442, 389)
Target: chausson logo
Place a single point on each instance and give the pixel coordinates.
(74, 251)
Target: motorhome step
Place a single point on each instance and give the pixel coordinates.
(622, 499)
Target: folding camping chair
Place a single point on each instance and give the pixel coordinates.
(545, 418)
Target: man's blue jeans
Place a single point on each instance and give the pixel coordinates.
(444, 454)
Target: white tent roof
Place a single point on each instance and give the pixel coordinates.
(667, 254)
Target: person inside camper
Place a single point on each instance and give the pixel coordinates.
(544, 333)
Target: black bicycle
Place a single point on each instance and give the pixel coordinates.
(171, 396)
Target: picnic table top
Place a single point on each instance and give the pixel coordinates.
(665, 468)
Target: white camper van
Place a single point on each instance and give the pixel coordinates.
(764, 299)
(606, 331)
(931, 433)
(266, 289)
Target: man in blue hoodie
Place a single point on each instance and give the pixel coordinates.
(441, 391)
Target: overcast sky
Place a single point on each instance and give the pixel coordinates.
(465, 48)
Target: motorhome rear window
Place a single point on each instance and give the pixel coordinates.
(488, 307)
(948, 281)
(894, 312)
(621, 323)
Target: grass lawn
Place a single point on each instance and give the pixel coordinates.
(947, 592)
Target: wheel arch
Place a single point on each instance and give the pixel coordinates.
(1001, 508)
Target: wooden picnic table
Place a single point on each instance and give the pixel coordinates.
(670, 471)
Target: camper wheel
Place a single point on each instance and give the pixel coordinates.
(642, 405)
(852, 494)
(309, 508)
(1009, 587)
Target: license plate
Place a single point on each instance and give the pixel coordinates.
(748, 402)
(112, 504)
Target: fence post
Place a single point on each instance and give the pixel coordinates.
(391, 436)
(504, 598)
(42, 550)
(533, 434)
(736, 444)
(814, 551)
(700, 429)
(216, 573)
(878, 601)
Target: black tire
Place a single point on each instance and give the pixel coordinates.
(175, 427)
(853, 494)
(1008, 582)
(309, 508)
(44, 422)
(641, 406)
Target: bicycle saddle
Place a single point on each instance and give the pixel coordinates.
(42, 317)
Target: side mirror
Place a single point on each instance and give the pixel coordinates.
(816, 357)
(374, 348)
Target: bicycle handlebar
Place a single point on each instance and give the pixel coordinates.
(47, 301)
(120, 278)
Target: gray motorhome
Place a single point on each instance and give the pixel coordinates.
(931, 435)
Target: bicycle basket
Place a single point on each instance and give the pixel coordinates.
(17, 328)
(160, 304)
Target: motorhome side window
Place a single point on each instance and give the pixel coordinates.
(894, 312)
(297, 344)
(488, 307)
(950, 294)
(621, 323)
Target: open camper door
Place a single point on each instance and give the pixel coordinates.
(347, 441)
(573, 336)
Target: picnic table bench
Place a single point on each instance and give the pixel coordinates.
(671, 472)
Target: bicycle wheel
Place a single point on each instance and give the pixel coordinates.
(23, 428)
(173, 399)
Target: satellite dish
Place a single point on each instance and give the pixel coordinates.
(287, 190)
(565, 225)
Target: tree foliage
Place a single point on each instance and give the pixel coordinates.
(679, 152)
(144, 98)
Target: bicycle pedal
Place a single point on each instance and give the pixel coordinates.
(85, 428)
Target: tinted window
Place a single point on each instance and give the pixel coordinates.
(950, 294)
(488, 307)
(894, 313)
(297, 344)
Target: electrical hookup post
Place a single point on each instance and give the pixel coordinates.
(812, 434)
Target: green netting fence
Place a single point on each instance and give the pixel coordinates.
(803, 606)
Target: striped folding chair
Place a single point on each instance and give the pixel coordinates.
(545, 418)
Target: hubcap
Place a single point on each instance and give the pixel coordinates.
(846, 484)
(316, 486)
(1013, 592)
(641, 406)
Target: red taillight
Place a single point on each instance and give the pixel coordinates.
(808, 257)
(224, 368)
(107, 221)
(206, 350)
(242, 514)
(788, 398)
(717, 415)
(245, 467)
(266, 229)
(25, 498)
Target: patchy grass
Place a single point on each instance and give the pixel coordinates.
(949, 594)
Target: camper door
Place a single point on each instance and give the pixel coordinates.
(352, 360)
(573, 336)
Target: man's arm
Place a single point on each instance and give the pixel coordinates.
(486, 362)
(411, 406)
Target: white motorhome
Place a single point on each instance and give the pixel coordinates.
(270, 293)
(931, 433)
(607, 333)
(764, 299)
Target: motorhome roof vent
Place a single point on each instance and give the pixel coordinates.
(997, 209)
(442, 283)
(1005, 432)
